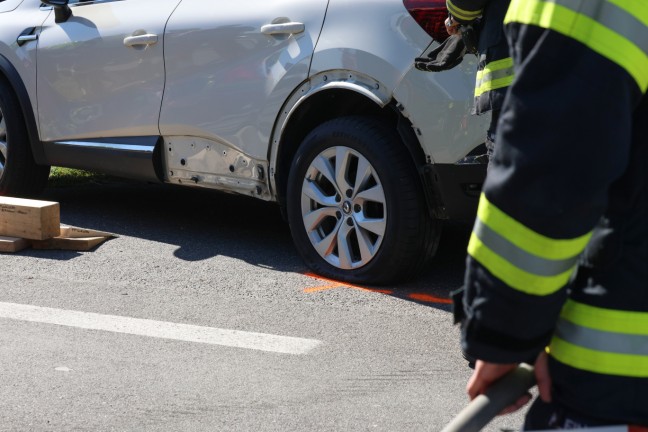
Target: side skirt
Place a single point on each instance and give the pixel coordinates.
(132, 157)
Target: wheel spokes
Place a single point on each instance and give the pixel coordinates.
(3, 150)
(376, 226)
(374, 193)
(363, 173)
(344, 247)
(314, 219)
(324, 167)
(326, 245)
(312, 190)
(3, 143)
(365, 245)
(3, 128)
(343, 158)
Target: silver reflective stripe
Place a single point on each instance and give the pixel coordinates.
(612, 17)
(488, 76)
(519, 257)
(493, 75)
(599, 340)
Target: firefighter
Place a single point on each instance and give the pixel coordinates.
(557, 265)
(495, 65)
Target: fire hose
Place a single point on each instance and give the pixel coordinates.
(481, 410)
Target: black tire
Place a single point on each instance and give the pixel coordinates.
(19, 174)
(385, 212)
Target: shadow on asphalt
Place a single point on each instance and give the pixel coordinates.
(203, 224)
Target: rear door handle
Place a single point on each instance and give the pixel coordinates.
(138, 40)
(27, 36)
(283, 28)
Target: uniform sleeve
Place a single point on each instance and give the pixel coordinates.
(564, 137)
(466, 11)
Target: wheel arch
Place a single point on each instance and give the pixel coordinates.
(10, 75)
(327, 96)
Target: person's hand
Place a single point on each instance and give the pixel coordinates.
(488, 373)
(543, 379)
(452, 26)
(485, 375)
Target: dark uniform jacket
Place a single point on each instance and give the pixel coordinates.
(495, 69)
(558, 257)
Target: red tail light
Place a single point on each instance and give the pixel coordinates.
(431, 15)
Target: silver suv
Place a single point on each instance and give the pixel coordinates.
(312, 104)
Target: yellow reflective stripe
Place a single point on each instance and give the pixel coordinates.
(586, 30)
(513, 276)
(462, 14)
(518, 241)
(602, 340)
(518, 257)
(628, 322)
(493, 85)
(495, 75)
(599, 362)
(527, 239)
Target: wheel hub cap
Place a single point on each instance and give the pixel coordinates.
(346, 207)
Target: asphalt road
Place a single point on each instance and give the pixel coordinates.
(200, 316)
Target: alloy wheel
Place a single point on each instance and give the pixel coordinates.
(343, 207)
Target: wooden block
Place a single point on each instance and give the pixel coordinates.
(29, 219)
(12, 244)
(65, 243)
(74, 238)
(76, 232)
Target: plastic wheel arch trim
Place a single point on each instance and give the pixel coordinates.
(324, 81)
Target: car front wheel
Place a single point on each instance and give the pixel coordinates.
(355, 204)
(19, 174)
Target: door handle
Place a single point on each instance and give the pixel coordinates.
(138, 40)
(27, 36)
(283, 28)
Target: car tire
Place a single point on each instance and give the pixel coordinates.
(355, 204)
(19, 174)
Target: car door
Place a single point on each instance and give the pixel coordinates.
(9, 5)
(101, 72)
(231, 65)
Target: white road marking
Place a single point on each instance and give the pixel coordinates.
(159, 329)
